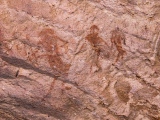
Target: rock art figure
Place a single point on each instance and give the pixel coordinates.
(95, 41)
(117, 38)
(97, 44)
(49, 42)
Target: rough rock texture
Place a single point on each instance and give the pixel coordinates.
(79, 60)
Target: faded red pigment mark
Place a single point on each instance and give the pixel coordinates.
(97, 43)
(117, 38)
(49, 43)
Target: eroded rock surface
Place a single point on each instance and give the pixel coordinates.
(79, 59)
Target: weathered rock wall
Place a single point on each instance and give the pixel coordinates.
(79, 59)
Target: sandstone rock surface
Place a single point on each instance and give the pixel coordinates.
(79, 60)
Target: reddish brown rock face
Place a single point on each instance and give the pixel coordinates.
(79, 60)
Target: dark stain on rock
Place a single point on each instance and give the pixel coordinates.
(17, 73)
(23, 64)
(10, 115)
(145, 93)
(40, 107)
(6, 74)
(123, 88)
